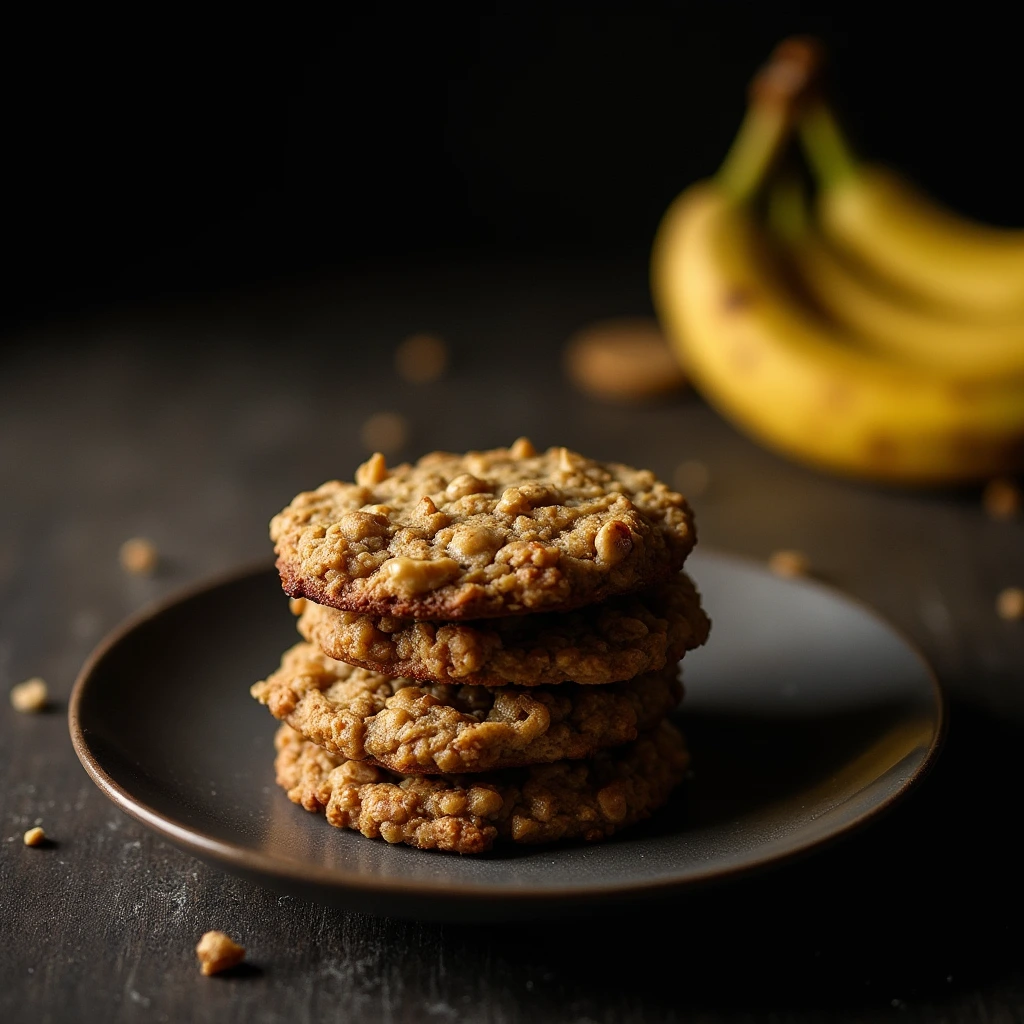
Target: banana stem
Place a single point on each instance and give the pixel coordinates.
(776, 92)
(787, 208)
(830, 155)
(764, 131)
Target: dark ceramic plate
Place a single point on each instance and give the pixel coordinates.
(806, 716)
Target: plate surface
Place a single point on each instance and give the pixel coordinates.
(805, 714)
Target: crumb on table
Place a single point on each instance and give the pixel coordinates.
(789, 563)
(34, 837)
(139, 556)
(421, 358)
(691, 478)
(623, 358)
(1010, 603)
(217, 952)
(384, 432)
(30, 695)
(1001, 498)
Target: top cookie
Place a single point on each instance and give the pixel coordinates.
(500, 532)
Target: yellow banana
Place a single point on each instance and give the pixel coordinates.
(955, 264)
(761, 357)
(883, 320)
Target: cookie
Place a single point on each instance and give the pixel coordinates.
(601, 643)
(486, 533)
(431, 728)
(588, 800)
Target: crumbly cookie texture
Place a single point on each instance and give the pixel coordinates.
(431, 728)
(601, 643)
(486, 533)
(588, 800)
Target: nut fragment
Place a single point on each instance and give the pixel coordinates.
(613, 542)
(1010, 603)
(1002, 498)
(30, 695)
(139, 556)
(624, 358)
(217, 952)
(421, 358)
(789, 563)
(372, 471)
(34, 837)
(410, 576)
(522, 448)
(384, 432)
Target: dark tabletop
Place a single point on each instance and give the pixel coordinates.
(192, 422)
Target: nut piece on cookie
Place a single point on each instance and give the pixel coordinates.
(218, 952)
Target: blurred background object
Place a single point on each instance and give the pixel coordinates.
(936, 398)
(626, 359)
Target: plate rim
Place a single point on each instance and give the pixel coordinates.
(245, 860)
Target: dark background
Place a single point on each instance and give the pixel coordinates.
(179, 155)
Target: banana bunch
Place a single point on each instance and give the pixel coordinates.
(863, 330)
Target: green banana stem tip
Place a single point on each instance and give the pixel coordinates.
(787, 208)
(829, 153)
(776, 92)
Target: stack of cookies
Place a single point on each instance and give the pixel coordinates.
(490, 648)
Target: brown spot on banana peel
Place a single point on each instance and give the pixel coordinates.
(737, 300)
(837, 395)
(965, 392)
(881, 448)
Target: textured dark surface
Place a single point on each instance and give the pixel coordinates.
(193, 425)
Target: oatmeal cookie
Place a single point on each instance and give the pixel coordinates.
(566, 800)
(423, 729)
(486, 533)
(601, 643)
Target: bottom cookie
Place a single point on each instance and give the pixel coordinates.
(588, 800)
